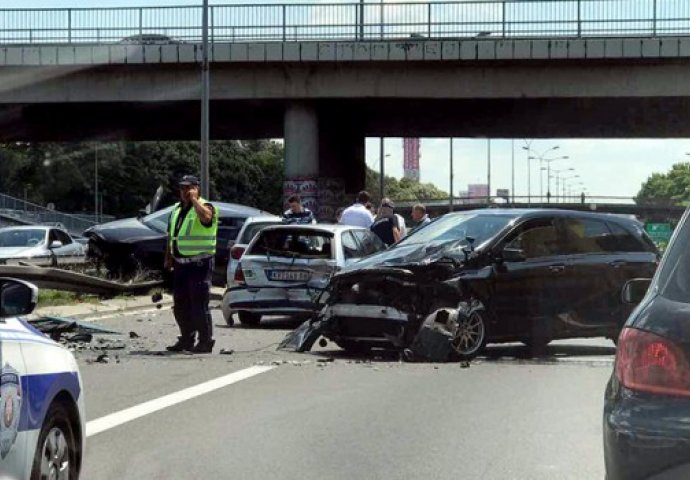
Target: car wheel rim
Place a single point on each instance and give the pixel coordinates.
(469, 335)
(55, 458)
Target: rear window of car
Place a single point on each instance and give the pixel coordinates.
(293, 243)
(254, 228)
(626, 241)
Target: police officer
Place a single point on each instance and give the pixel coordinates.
(190, 253)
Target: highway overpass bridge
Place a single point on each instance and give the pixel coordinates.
(324, 77)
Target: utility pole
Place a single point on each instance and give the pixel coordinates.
(205, 105)
(95, 184)
(512, 170)
(450, 201)
(488, 171)
(361, 19)
(382, 169)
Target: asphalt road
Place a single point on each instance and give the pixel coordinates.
(504, 417)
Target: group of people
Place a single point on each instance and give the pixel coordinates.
(389, 226)
(191, 247)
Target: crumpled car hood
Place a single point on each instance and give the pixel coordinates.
(413, 254)
(125, 230)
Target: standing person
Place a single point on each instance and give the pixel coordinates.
(357, 215)
(339, 215)
(386, 224)
(402, 225)
(297, 213)
(192, 232)
(419, 216)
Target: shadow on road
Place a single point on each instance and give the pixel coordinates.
(269, 323)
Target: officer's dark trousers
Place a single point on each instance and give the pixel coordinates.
(191, 290)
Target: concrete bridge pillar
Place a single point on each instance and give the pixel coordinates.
(324, 158)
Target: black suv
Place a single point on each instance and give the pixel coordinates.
(493, 275)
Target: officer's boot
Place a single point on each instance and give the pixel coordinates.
(204, 346)
(183, 344)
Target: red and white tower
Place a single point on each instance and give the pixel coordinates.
(411, 158)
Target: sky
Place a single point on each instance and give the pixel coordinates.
(606, 167)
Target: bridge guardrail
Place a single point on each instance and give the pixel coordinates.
(36, 214)
(349, 21)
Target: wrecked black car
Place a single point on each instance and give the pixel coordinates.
(493, 275)
(125, 247)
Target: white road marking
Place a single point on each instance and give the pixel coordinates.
(94, 427)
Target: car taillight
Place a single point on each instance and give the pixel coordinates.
(236, 252)
(239, 274)
(649, 363)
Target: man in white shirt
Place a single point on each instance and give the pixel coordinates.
(357, 214)
(401, 225)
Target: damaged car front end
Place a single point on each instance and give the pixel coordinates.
(494, 275)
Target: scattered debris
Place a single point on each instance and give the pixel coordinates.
(133, 335)
(157, 297)
(55, 327)
(81, 338)
(103, 358)
(226, 351)
(326, 360)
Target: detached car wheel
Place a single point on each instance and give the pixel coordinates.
(249, 318)
(56, 452)
(469, 337)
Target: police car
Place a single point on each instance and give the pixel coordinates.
(41, 402)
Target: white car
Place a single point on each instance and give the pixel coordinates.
(42, 425)
(285, 268)
(39, 245)
(251, 227)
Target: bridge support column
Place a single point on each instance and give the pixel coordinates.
(324, 158)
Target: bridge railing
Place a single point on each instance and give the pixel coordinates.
(30, 213)
(349, 21)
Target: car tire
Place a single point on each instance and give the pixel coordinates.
(249, 319)
(57, 440)
(471, 335)
(352, 346)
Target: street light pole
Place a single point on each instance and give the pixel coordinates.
(205, 84)
(512, 169)
(361, 19)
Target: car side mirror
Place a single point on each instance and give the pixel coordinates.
(634, 290)
(513, 255)
(17, 297)
(55, 244)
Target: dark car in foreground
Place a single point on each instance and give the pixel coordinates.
(128, 246)
(647, 400)
(494, 275)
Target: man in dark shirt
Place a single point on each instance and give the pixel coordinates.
(297, 213)
(386, 225)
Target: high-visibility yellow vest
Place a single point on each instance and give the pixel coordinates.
(193, 238)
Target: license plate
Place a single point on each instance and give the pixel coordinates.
(288, 275)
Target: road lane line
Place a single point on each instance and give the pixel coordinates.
(94, 427)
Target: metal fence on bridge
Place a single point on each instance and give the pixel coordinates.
(32, 214)
(372, 20)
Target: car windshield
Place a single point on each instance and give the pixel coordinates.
(254, 228)
(158, 220)
(459, 227)
(22, 238)
(293, 243)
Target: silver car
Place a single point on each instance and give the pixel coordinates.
(39, 245)
(251, 227)
(286, 267)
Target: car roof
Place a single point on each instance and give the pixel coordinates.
(554, 212)
(317, 227)
(262, 218)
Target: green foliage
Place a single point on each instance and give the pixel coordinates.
(672, 188)
(248, 173)
(403, 189)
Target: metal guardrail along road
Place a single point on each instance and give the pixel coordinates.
(373, 20)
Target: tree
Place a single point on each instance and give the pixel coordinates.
(404, 189)
(672, 188)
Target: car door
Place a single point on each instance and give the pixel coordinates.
(16, 462)
(69, 251)
(528, 289)
(595, 281)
